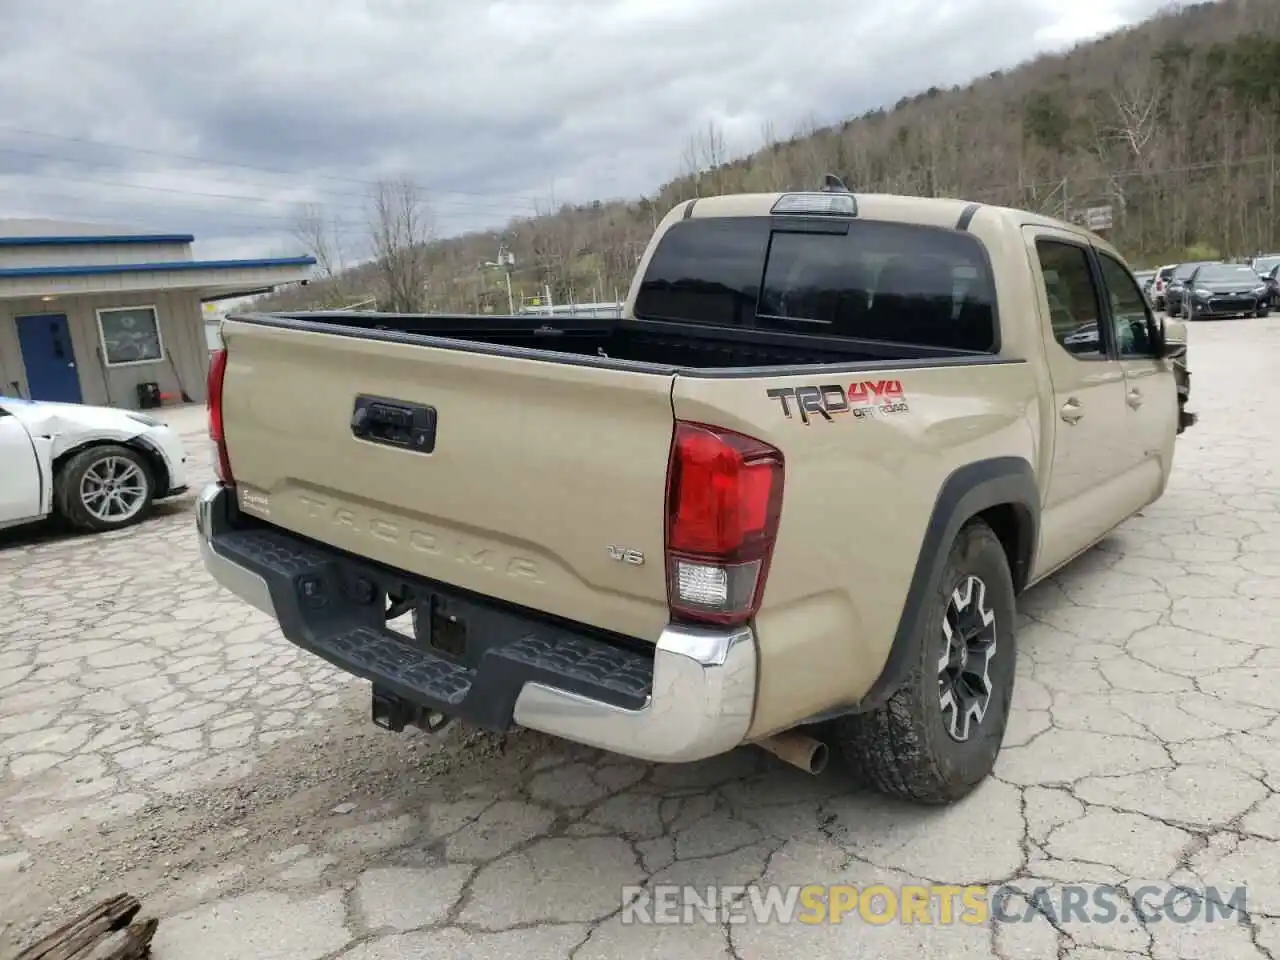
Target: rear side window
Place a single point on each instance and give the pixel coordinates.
(1074, 308)
(889, 282)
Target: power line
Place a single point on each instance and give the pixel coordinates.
(185, 191)
(220, 215)
(1056, 182)
(227, 163)
(179, 191)
(356, 198)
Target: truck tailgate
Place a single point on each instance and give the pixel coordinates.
(538, 467)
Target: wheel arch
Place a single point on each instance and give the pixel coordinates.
(149, 452)
(1002, 492)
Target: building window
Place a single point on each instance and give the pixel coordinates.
(130, 335)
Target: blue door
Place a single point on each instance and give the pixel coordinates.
(49, 358)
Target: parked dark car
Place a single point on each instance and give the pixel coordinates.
(1265, 263)
(1145, 279)
(1225, 290)
(1272, 279)
(1177, 284)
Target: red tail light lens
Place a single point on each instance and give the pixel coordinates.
(724, 498)
(217, 372)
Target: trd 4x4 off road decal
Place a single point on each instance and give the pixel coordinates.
(863, 399)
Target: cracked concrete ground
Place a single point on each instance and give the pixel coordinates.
(158, 737)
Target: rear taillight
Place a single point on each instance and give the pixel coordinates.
(724, 497)
(217, 372)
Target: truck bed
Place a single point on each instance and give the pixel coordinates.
(655, 346)
(505, 456)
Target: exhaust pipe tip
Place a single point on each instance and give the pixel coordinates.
(800, 751)
(818, 760)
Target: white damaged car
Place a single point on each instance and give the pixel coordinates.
(97, 468)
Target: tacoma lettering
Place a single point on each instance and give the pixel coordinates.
(469, 555)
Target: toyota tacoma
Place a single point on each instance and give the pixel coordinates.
(788, 498)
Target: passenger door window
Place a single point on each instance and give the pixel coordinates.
(1074, 309)
(1131, 321)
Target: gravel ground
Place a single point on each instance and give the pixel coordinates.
(159, 737)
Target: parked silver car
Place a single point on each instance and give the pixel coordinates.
(1158, 287)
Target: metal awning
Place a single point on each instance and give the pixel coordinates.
(210, 278)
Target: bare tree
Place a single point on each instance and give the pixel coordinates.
(715, 152)
(703, 158)
(400, 227)
(320, 236)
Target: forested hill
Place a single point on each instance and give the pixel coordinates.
(1174, 122)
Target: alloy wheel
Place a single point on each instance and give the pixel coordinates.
(964, 669)
(113, 490)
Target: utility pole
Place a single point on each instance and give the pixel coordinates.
(506, 260)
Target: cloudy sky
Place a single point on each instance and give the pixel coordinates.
(223, 117)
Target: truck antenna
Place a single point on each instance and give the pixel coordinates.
(833, 184)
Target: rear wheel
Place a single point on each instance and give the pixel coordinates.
(104, 488)
(939, 735)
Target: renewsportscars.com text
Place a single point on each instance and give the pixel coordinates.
(936, 904)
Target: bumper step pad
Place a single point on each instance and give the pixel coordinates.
(333, 606)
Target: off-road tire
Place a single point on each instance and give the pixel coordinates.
(904, 748)
(67, 500)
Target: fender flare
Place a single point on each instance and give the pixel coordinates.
(967, 492)
(139, 444)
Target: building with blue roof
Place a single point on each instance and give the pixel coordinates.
(114, 316)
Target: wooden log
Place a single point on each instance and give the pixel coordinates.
(72, 939)
(131, 943)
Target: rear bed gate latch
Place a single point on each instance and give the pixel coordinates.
(394, 423)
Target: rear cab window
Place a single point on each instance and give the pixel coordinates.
(880, 281)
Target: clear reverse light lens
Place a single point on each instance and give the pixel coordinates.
(839, 203)
(703, 584)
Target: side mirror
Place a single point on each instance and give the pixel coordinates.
(1173, 339)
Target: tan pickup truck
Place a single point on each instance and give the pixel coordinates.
(788, 499)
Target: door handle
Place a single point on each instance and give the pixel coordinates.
(1072, 410)
(1135, 398)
